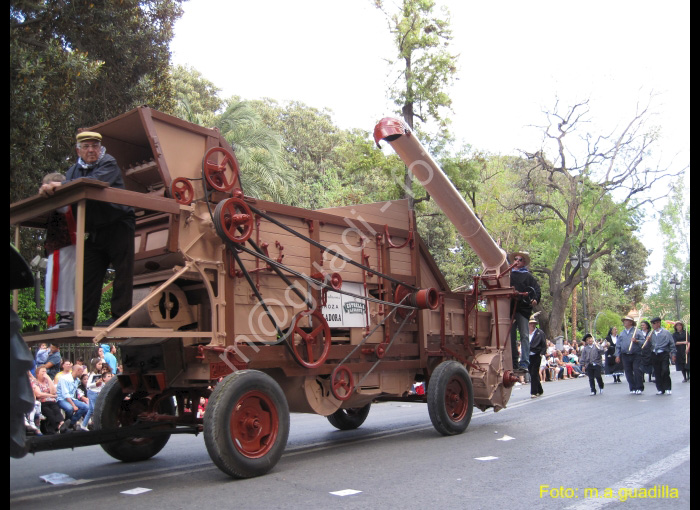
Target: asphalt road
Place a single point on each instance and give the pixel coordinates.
(551, 452)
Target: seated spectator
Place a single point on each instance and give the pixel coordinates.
(66, 370)
(571, 360)
(53, 362)
(66, 391)
(94, 384)
(543, 368)
(31, 419)
(564, 369)
(553, 367)
(45, 393)
(550, 347)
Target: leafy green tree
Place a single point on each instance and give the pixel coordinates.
(587, 195)
(197, 99)
(75, 64)
(310, 140)
(626, 267)
(674, 225)
(425, 67)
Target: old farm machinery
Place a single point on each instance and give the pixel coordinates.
(266, 309)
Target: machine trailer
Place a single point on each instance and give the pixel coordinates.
(266, 309)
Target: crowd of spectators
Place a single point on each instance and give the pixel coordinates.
(558, 364)
(65, 391)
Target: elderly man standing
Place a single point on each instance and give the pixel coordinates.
(110, 227)
(538, 348)
(628, 350)
(663, 348)
(523, 281)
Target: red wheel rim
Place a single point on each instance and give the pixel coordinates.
(254, 424)
(182, 191)
(215, 172)
(456, 399)
(313, 347)
(236, 220)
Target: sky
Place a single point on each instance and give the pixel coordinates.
(516, 59)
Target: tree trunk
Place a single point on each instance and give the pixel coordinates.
(574, 316)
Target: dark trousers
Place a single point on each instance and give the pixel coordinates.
(632, 364)
(113, 245)
(53, 416)
(594, 373)
(534, 369)
(662, 372)
(520, 324)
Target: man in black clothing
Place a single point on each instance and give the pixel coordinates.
(110, 227)
(538, 348)
(523, 281)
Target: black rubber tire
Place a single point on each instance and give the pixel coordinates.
(246, 396)
(349, 419)
(110, 409)
(450, 398)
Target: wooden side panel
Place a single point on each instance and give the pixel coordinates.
(393, 213)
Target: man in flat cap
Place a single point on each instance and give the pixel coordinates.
(110, 227)
(628, 350)
(663, 349)
(523, 281)
(538, 348)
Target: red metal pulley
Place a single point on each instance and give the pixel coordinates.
(234, 219)
(182, 191)
(222, 174)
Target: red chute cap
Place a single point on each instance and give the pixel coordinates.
(389, 128)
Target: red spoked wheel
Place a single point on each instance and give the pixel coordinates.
(220, 169)
(246, 424)
(311, 345)
(342, 383)
(182, 191)
(234, 219)
(450, 398)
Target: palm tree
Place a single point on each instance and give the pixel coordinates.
(260, 153)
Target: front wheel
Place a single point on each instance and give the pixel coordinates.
(349, 419)
(113, 409)
(246, 424)
(450, 398)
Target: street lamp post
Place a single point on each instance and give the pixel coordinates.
(676, 284)
(580, 260)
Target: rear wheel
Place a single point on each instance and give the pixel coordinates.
(246, 424)
(450, 398)
(114, 409)
(349, 419)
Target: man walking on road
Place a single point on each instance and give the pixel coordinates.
(592, 363)
(538, 348)
(663, 348)
(629, 351)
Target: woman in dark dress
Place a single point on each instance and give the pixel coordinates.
(611, 366)
(682, 339)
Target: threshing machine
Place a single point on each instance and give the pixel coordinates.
(266, 309)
